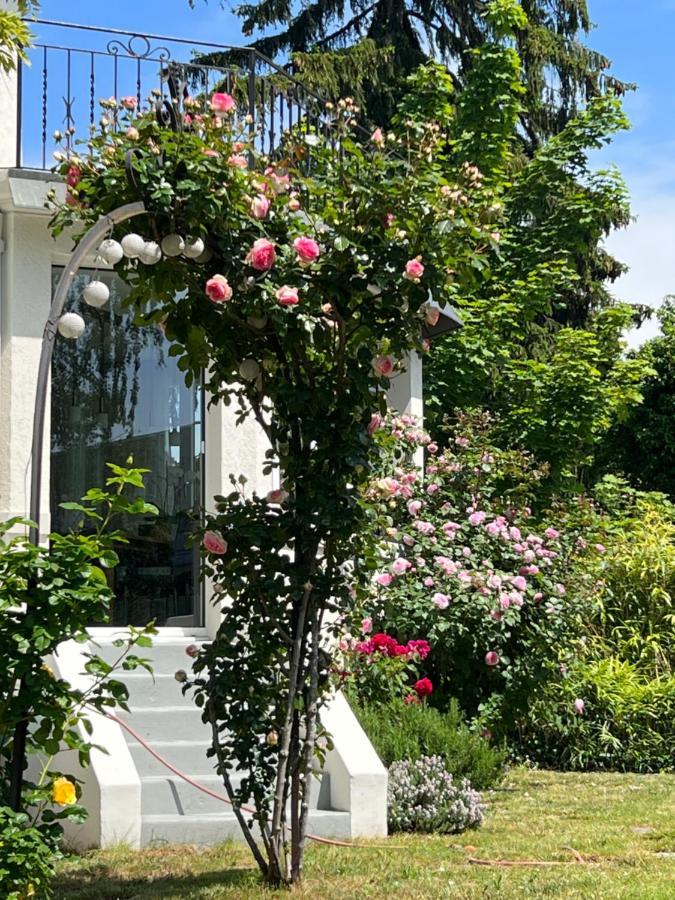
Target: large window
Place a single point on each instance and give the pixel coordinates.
(116, 393)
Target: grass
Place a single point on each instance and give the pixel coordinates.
(622, 825)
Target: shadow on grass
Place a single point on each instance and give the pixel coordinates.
(95, 882)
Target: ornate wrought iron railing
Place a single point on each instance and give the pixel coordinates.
(73, 66)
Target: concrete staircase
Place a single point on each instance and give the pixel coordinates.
(173, 811)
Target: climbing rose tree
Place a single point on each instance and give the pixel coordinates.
(295, 286)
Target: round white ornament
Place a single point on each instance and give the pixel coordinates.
(194, 247)
(173, 245)
(205, 255)
(249, 369)
(150, 254)
(111, 251)
(96, 294)
(71, 326)
(132, 245)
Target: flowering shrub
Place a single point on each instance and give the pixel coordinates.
(28, 856)
(422, 796)
(378, 669)
(465, 563)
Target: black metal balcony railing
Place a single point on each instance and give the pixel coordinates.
(72, 67)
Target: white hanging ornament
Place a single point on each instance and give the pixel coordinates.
(249, 369)
(205, 255)
(132, 245)
(194, 247)
(111, 251)
(96, 294)
(71, 326)
(173, 245)
(151, 253)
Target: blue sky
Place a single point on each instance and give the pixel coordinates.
(636, 36)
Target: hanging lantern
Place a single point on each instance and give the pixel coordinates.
(96, 294)
(110, 251)
(249, 369)
(132, 245)
(194, 247)
(150, 254)
(71, 326)
(173, 245)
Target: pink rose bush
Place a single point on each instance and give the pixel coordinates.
(378, 668)
(484, 581)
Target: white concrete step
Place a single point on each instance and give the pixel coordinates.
(206, 829)
(188, 756)
(166, 723)
(162, 795)
(165, 655)
(159, 690)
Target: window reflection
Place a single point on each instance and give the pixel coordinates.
(117, 393)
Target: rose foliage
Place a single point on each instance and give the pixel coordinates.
(313, 287)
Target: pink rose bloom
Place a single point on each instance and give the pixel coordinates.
(223, 103)
(287, 296)
(424, 527)
(552, 534)
(413, 270)
(208, 151)
(505, 601)
(428, 582)
(400, 566)
(279, 495)
(366, 625)
(414, 507)
(432, 489)
(441, 601)
(514, 533)
(432, 448)
(383, 365)
(495, 582)
(307, 250)
(496, 615)
(132, 133)
(492, 529)
(519, 583)
(384, 579)
(374, 424)
(538, 597)
(579, 706)
(516, 599)
(491, 658)
(560, 588)
(260, 206)
(262, 255)
(477, 518)
(128, 102)
(600, 548)
(238, 161)
(377, 137)
(214, 542)
(408, 540)
(218, 289)
(464, 577)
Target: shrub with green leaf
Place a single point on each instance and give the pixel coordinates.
(401, 731)
(48, 595)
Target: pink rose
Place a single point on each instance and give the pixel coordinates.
(366, 625)
(519, 583)
(414, 507)
(600, 548)
(238, 161)
(218, 289)
(441, 601)
(377, 137)
(413, 269)
(384, 579)
(307, 250)
(428, 582)
(223, 103)
(262, 255)
(491, 658)
(260, 206)
(383, 365)
(294, 204)
(128, 102)
(400, 566)
(552, 534)
(210, 152)
(374, 424)
(505, 601)
(214, 542)
(477, 518)
(132, 133)
(579, 706)
(279, 495)
(288, 296)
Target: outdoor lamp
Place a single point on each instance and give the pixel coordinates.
(71, 326)
(448, 320)
(96, 294)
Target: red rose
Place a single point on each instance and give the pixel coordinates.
(423, 688)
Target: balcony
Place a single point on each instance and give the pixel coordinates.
(73, 66)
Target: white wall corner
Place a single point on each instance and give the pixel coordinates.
(111, 785)
(358, 780)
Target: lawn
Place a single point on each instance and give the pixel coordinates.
(612, 836)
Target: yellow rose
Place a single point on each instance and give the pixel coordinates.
(63, 792)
